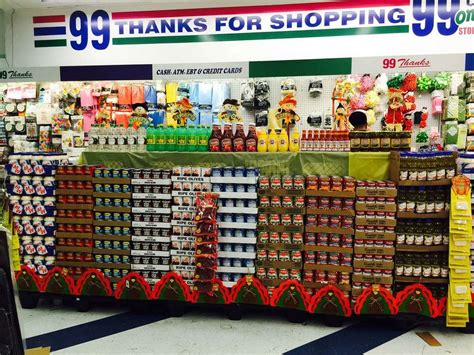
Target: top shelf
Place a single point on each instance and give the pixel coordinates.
(443, 182)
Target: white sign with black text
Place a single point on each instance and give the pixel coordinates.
(201, 71)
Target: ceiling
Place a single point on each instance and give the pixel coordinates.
(26, 4)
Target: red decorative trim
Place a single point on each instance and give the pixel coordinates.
(224, 290)
(244, 10)
(123, 282)
(441, 309)
(178, 279)
(401, 296)
(262, 290)
(69, 280)
(383, 292)
(346, 306)
(38, 280)
(278, 292)
(100, 276)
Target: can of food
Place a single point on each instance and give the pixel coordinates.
(264, 182)
(261, 273)
(334, 240)
(263, 236)
(271, 274)
(298, 220)
(299, 202)
(264, 201)
(296, 256)
(310, 257)
(285, 238)
(311, 219)
(274, 219)
(336, 203)
(284, 255)
(262, 255)
(320, 276)
(286, 219)
(108, 230)
(283, 274)
(287, 182)
(98, 173)
(275, 182)
(287, 201)
(272, 255)
(308, 276)
(275, 201)
(311, 182)
(333, 259)
(322, 257)
(323, 220)
(297, 238)
(228, 171)
(274, 237)
(335, 221)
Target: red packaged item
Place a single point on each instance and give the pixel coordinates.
(336, 183)
(206, 207)
(215, 139)
(226, 142)
(206, 261)
(204, 274)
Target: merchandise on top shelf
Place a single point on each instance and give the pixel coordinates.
(151, 222)
(223, 139)
(325, 141)
(280, 229)
(181, 139)
(31, 189)
(186, 183)
(112, 222)
(74, 217)
(383, 141)
(374, 235)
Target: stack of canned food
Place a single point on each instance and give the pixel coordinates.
(237, 219)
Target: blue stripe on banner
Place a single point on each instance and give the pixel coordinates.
(470, 61)
(353, 340)
(107, 72)
(83, 333)
(49, 31)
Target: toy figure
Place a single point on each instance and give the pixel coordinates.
(408, 122)
(182, 111)
(340, 119)
(139, 117)
(424, 117)
(230, 111)
(394, 115)
(286, 112)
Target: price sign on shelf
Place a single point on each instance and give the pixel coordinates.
(409, 63)
(29, 74)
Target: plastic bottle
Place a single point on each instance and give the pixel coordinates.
(181, 137)
(262, 137)
(202, 139)
(272, 142)
(150, 139)
(193, 139)
(171, 139)
(132, 138)
(283, 141)
(226, 142)
(215, 138)
(251, 139)
(160, 139)
(309, 141)
(141, 139)
(304, 141)
(93, 138)
(238, 140)
(295, 140)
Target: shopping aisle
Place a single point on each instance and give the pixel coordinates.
(111, 330)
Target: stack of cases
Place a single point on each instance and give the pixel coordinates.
(237, 220)
(151, 225)
(31, 187)
(280, 229)
(466, 167)
(74, 218)
(329, 232)
(374, 248)
(186, 183)
(422, 243)
(112, 222)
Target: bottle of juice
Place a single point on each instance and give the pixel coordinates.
(150, 139)
(251, 139)
(283, 141)
(226, 142)
(215, 138)
(238, 140)
(272, 141)
(171, 139)
(192, 139)
(309, 141)
(304, 141)
(262, 138)
(295, 140)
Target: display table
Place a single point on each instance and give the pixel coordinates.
(359, 165)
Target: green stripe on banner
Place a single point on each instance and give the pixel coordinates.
(51, 43)
(262, 35)
(300, 67)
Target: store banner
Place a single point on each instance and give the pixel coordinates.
(416, 63)
(143, 34)
(9, 75)
(201, 71)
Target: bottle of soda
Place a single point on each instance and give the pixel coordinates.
(181, 138)
(160, 140)
(192, 139)
(226, 142)
(171, 139)
(150, 139)
(251, 139)
(215, 138)
(238, 140)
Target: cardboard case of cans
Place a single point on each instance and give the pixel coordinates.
(74, 217)
(375, 235)
(280, 229)
(329, 232)
(31, 188)
(151, 222)
(112, 222)
(237, 219)
(186, 183)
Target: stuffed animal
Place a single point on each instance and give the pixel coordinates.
(424, 117)
(340, 119)
(286, 112)
(139, 117)
(399, 104)
(182, 111)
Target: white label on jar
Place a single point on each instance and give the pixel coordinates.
(420, 207)
(411, 206)
(436, 271)
(403, 175)
(417, 271)
(419, 240)
(400, 238)
(428, 240)
(440, 174)
(431, 175)
(438, 239)
(444, 272)
(412, 175)
(399, 270)
(408, 270)
(430, 207)
(102, 140)
(427, 271)
(422, 174)
(402, 206)
(410, 239)
(450, 173)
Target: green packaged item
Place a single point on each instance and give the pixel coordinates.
(462, 111)
(450, 133)
(451, 108)
(462, 135)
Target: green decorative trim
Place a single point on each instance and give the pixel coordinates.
(51, 43)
